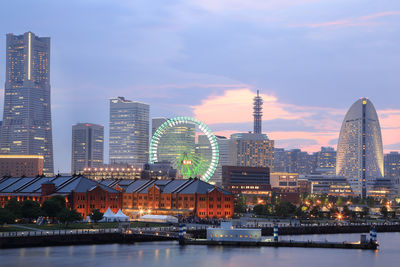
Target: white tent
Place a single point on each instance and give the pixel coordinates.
(158, 218)
(121, 217)
(108, 216)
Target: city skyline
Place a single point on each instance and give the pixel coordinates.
(304, 105)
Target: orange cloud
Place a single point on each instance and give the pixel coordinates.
(235, 106)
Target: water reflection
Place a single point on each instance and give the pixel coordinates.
(151, 254)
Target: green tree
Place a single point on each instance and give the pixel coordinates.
(96, 215)
(30, 209)
(67, 216)
(51, 207)
(60, 199)
(371, 202)
(6, 216)
(384, 211)
(365, 212)
(240, 205)
(285, 209)
(339, 202)
(14, 207)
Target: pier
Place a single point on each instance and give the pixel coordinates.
(288, 243)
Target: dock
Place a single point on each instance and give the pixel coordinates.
(283, 243)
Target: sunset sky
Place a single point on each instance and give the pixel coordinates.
(310, 59)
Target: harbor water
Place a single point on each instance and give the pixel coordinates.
(171, 254)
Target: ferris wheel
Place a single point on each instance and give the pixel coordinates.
(174, 141)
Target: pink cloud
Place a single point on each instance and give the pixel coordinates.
(235, 106)
(351, 22)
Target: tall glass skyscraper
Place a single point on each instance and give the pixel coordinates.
(26, 128)
(360, 150)
(87, 146)
(129, 132)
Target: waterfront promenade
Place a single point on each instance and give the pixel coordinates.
(147, 234)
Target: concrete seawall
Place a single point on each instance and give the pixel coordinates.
(77, 239)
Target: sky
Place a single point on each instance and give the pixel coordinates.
(310, 59)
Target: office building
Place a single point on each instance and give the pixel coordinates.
(27, 128)
(87, 146)
(392, 165)
(248, 181)
(176, 141)
(129, 132)
(223, 146)
(360, 151)
(155, 123)
(21, 165)
(250, 150)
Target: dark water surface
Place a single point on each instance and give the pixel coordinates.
(171, 254)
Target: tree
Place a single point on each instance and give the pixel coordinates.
(14, 207)
(67, 216)
(60, 199)
(51, 207)
(6, 216)
(30, 209)
(371, 202)
(96, 215)
(365, 211)
(339, 202)
(384, 211)
(240, 205)
(285, 209)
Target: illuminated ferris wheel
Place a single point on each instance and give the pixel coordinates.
(174, 141)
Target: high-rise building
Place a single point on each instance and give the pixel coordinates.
(129, 132)
(257, 113)
(26, 128)
(250, 150)
(281, 160)
(175, 141)
(326, 158)
(87, 146)
(223, 146)
(155, 123)
(392, 165)
(301, 162)
(360, 151)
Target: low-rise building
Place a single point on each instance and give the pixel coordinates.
(186, 197)
(21, 165)
(81, 194)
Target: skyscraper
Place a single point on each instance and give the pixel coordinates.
(155, 123)
(175, 141)
(392, 165)
(223, 146)
(360, 151)
(257, 113)
(129, 131)
(26, 128)
(87, 146)
(250, 150)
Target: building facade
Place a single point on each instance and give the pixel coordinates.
(250, 150)
(248, 181)
(82, 194)
(392, 165)
(27, 128)
(185, 197)
(87, 146)
(21, 165)
(360, 149)
(129, 132)
(223, 146)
